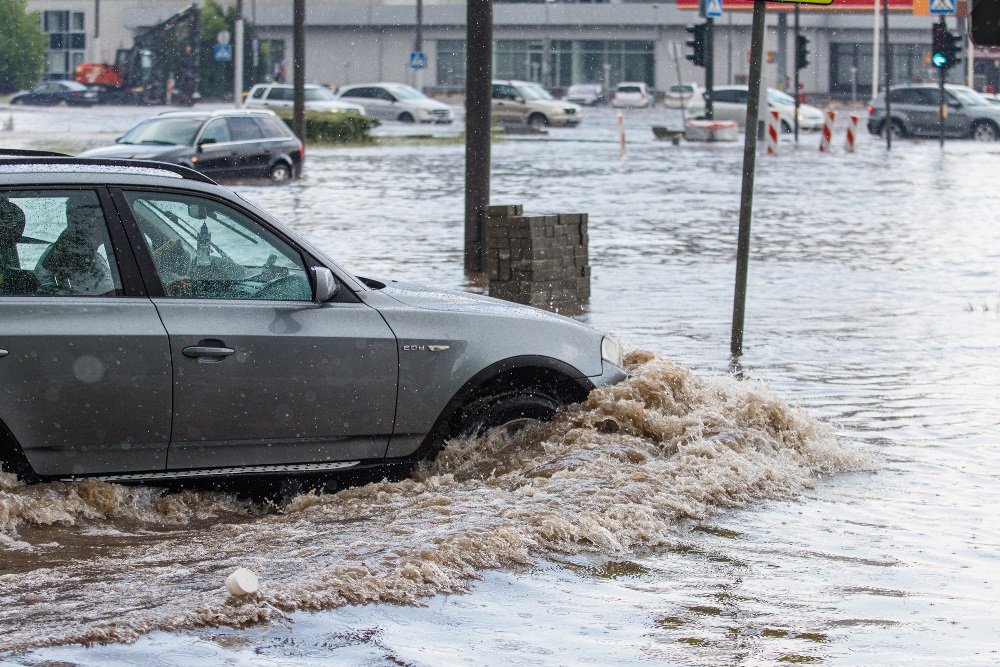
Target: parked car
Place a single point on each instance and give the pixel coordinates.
(915, 110)
(526, 103)
(992, 98)
(632, 94)
(156, 327)
(226, 144)
(50, 93)
(587, 94)
(730, 103)
(397, 101)
(687, 96)
(278, 96)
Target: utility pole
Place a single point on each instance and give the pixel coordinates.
(796, 82)
(478, 114)
(709, 65)
(299, 69)
(749, 166)
(418, 43)
(888, 75)
(238, 57)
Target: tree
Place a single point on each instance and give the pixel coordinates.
(22, 46)
(216, 75)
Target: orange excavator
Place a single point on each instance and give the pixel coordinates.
(160, 68)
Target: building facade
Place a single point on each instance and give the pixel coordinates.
(554, 43)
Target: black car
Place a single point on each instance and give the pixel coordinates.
(56, 92)
(225, 145)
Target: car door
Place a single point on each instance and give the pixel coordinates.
(918, 108)
(85, 378)
(280, 98)
(958, 122)
(506, 106)
(252, 155)
(726, 105)
(263, 375)
(216, 150)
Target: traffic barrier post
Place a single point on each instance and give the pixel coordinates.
(773, 132)
(824, 141)
(852, 131)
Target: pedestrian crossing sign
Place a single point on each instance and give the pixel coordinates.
(713, 9)
(418, 60)
(942, 6)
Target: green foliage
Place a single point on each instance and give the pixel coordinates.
(334, 128)
(217, 75)
(22, 46)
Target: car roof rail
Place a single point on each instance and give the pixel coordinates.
(20, 152)
(180, 170)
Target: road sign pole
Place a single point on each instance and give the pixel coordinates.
(709, 66)
(299, 69)
(749, 166)
(238, 57)
(943, 104)
(478, 101)
(888, 76)
(796, 83)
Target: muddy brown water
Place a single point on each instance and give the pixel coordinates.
(833, 507)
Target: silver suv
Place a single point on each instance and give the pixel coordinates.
(916, 112)
(156, 327)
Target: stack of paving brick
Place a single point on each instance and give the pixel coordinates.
(539, 260)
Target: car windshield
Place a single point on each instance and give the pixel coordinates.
(968, 97)
(583, 88)
(164, 131)
(778, 97)
(530, 91)
(318, 94)
(406, 92)
(682, 89)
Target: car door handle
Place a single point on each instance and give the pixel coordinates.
(207, 352)
(4, 353)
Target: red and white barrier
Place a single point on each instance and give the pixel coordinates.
(621, 130)
(852, 132)
(773, 132)
(824, 142)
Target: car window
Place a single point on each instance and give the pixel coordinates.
(502, 91)
(203, 249)
(911, 96)
(404, 92)
(383, 94)
(164, 131)
(55, 243)
(356, 92)
(318, 95)
(271, 128)
(967, 97)
(243, 128)
(778, 97)
(281, 94)
(629, 89)
(726, 96)
(217, 130)
(258, 93)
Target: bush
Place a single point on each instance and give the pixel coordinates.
(22, 46)
(334, 128)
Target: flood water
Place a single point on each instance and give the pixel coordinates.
(830, 500)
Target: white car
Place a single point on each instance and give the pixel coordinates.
(632, 94)
(730, 103)
(396, 101)
(587, 94)
(687, 96)
(278, 96)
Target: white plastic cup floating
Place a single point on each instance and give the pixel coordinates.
(824, 140)
(242, 582)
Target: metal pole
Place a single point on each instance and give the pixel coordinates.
(478, 101)
(729, 46)
(942, 103)
(97, 31)
(970, 50)
(888, 76)
(749, 165)
(796, 84)
(299, 68)
(782, 55)
(418, 43)
(709, 65)
(876, 72)
(238, 57)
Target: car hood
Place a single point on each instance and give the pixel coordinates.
(552, 104)
(137, 151)
(430, 298)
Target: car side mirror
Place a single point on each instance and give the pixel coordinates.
(326, 285)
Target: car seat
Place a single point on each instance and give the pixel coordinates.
(13, 279)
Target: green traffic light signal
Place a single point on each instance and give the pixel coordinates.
(939, 59)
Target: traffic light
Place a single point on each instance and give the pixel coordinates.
(697, 43)
(946, 47)
(801, 52)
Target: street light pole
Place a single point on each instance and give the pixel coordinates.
(478, 113)
(418, 43)
(299, 69)
(238, 57)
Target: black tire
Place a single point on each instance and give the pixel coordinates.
(511, 410)
(984, 130)
(897, 129)
(406, 117)
(280, 173)
(537, 120)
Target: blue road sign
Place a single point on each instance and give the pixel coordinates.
(418, 60)
(942, 6)
(713, 9)
(223, 52)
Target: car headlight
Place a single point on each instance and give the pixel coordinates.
(611, 351)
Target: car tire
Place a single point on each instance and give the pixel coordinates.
(512, 411)
(897, 129)
(984, 130)
(406, 117)
(537, 120)
(280, 173)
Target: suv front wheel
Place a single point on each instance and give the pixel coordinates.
(897, 129)
(984, 130)
(537, 120)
